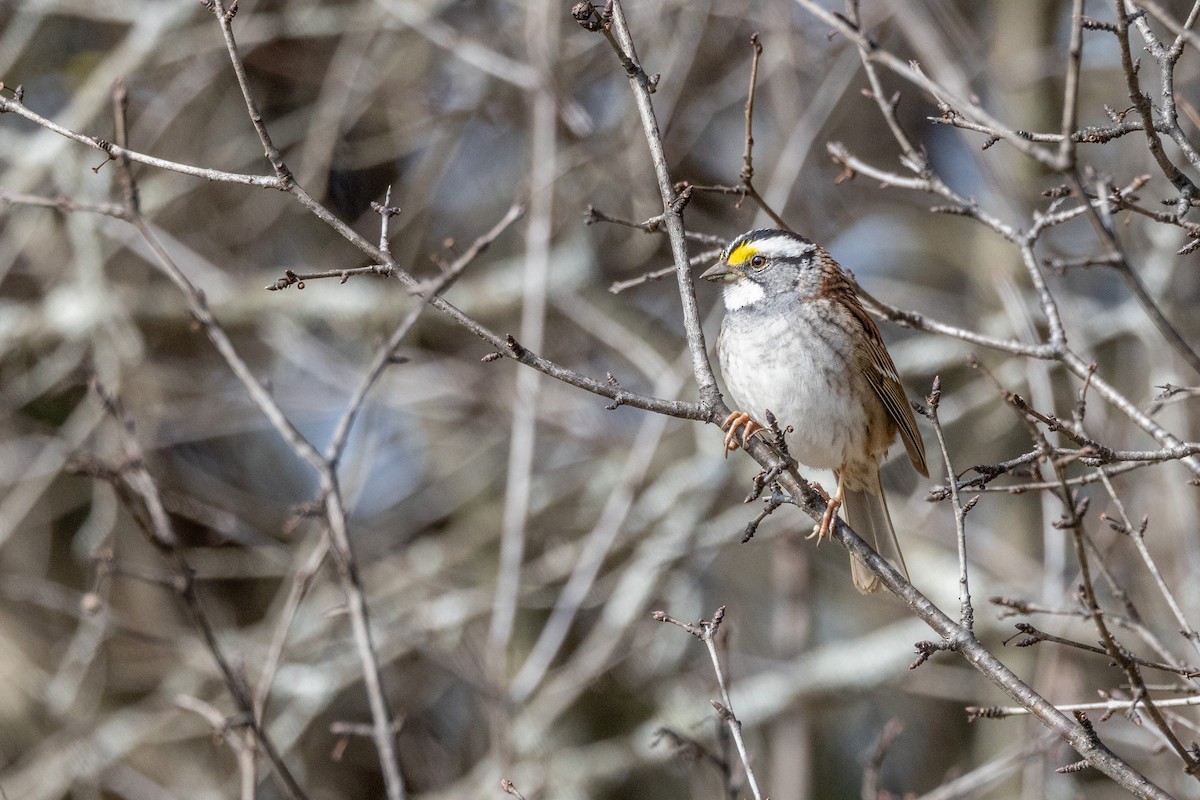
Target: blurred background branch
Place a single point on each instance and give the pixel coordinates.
(499, 540)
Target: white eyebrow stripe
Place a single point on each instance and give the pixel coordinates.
(784, 246)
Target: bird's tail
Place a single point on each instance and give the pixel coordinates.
(867, 513)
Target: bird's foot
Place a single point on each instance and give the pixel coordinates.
(739, 419)
(824, 529)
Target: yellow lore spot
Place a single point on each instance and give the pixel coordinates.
(741, 254)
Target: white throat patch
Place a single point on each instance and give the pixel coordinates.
(742, 293)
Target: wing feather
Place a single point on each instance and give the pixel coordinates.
(882, 376)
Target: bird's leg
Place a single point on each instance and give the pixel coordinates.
(739, 419)
(832, 504)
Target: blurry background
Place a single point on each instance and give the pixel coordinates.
(441, 101)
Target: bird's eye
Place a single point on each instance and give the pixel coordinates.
(758, 262)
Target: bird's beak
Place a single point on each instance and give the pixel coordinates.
(720, 271)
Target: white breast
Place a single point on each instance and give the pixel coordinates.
(770, 361)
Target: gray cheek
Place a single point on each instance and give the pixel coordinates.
(806, 283)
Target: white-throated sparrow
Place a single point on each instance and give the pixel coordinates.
(797, 341)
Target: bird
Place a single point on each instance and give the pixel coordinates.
(797, 342)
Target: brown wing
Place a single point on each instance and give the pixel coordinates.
(882, 373)
(886, 384)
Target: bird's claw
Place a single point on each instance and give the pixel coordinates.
(824, 529)
(739, 419)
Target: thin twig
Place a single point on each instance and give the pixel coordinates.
(747, 173)
(706, 631)
(139, 491)
(966, 613)
(335, 515)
